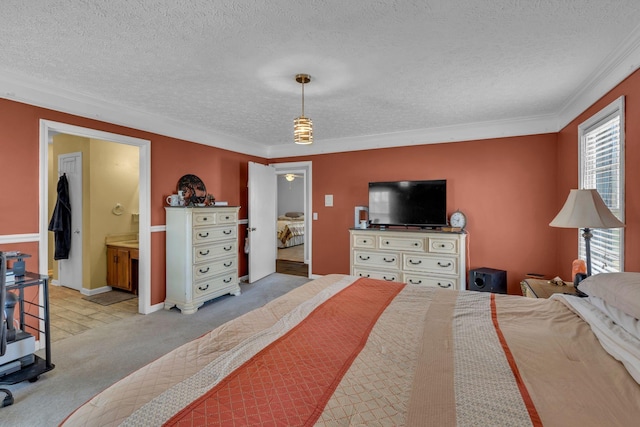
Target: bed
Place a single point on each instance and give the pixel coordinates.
(290, 230)
(341, 350)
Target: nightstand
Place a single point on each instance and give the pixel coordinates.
(541, 288)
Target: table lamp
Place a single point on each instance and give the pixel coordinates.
(585, 209)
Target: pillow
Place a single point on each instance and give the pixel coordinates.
(625, 321)
(620, 290)
(294, 214)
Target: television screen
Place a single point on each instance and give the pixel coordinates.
(414, 203)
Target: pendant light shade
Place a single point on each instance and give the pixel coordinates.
(302, 126)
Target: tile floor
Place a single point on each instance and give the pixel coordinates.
(72, 315)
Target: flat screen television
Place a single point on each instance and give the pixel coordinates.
(408, 203)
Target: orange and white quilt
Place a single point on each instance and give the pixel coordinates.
(342, 351)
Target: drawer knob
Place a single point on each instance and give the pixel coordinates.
(227, 232)
(414, 282)
(229, 264)
(363, 275)
(363, 258)
(416, 244)
(227, 248)
(203, 235)
(386, 242)
(203, 271)
(364, 241)
(226, 217)
(442, 245)
(203, 253)
(227, 280)
(389, 279)
(203, 289)
(446, 285)
(444, 265)
(389, 260)
(418, 262)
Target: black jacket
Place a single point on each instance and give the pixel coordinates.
(60, 222)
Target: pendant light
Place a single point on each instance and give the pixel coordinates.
(302, 126)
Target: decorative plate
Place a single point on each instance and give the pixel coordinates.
(194, 190)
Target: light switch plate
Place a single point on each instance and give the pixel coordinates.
(328, 200)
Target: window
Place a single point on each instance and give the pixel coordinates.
(601, 157)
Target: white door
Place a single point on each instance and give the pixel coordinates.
(262, 221)
(70, 270)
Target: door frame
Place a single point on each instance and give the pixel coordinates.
(49, 128)
(305, 169)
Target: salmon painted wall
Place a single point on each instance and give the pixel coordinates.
(506, 187)
(568, 174)
(510, 188)
(223, 172)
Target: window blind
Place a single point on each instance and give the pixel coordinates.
(601, 169)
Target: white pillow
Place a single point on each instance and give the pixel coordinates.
(620, 290)
(626, 322)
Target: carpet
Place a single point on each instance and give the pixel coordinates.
(111, 297)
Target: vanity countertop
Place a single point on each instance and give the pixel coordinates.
(130, 244)
(125, 240)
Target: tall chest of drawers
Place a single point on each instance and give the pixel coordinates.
(427, 258)
(202, 255)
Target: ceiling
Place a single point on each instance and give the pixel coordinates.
(384, 72)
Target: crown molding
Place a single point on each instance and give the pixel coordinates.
(454, 133)
(614, 69)
(32, 92)
(618, 65)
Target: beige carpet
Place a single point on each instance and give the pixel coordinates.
(294, 253)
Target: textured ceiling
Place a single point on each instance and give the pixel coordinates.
(222, 72)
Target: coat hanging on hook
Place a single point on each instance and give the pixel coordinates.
(60, 222)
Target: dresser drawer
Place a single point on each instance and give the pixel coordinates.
(213, 268)
(226, 218)
(203, 219)
(430, 280)
(363, 241)
(210, 234)
(442, 245)
(431, 264)
(207, 252)
(389, 276)
(386, 260)
(402, 243)
(214, 284)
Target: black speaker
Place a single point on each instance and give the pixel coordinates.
(488, 280)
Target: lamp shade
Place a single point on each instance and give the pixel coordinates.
(585, 209)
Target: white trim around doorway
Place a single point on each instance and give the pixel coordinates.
(49, 128)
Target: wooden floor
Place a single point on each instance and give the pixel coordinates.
(72, 315)
(291, 261)
(292, 267)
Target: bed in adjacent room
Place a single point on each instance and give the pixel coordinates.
(342, 350)
(290, 230)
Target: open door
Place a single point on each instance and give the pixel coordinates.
(70, 270)
(262, 221)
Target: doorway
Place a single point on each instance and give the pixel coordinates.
(47, 131)
(294, 218)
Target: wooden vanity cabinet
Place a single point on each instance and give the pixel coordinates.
(120, 269)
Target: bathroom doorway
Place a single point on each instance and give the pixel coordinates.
(48, 130)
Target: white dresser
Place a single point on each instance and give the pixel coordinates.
(202, 255)
(428, 258)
